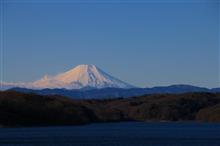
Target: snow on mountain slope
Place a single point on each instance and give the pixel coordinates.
(5, 85)
(81, 76)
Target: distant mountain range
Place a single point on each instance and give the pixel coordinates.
(116, 92)
(88, 81)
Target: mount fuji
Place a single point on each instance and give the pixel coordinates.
(82, 76)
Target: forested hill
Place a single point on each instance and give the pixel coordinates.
(24, 109)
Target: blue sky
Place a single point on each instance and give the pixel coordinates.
(144, 43)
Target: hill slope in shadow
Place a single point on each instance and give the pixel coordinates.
(25, 109)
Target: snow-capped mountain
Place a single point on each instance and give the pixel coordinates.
(82, 76)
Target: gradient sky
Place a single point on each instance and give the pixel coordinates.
(144, 43)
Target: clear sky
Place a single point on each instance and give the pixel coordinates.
(145, 43)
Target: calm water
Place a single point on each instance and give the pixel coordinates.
(116, 134)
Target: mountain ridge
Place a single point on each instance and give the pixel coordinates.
(117, 92)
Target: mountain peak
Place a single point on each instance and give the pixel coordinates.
(83, 68)
(85, 75)
(86, 66)
(82, 76)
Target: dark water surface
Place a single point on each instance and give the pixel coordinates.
(116, 134)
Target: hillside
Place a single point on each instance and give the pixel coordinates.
(23, 109)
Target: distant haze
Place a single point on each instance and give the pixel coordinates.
(145, 43)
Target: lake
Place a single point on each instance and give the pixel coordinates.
(116, 134)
